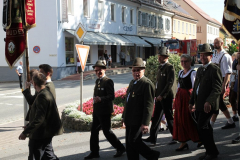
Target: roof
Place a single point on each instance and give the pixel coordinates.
(177, 9)
(201, 12)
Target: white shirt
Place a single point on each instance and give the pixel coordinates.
(193, 76)
(162, 64)
(49, 80)
(19, 69)
(226, 62)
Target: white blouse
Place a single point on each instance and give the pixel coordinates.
(193, 76)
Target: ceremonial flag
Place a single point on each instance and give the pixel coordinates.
(231, 18)
(18, 17)
(15, 36)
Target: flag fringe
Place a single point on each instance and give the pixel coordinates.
(11, 66)
(238, 41)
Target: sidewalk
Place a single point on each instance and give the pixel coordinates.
(91, 74)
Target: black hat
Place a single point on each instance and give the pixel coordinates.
(164, 51)
(138, 62)
(206, 48)
(100, 63)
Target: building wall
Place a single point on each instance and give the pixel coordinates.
(180, 31)
(43, 35)
(212, 33)
(202, 22)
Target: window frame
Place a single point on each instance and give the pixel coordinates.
(70, 11)
(139, 18)
(72, 52)
(131, 16)
(183, 28)
(113, 17)
(102, 8)
(123, 14)
(178, 26)
(87, 15)
(174, 25)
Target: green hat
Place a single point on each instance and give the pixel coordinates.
(100, 63)
(138, 62)
(164, 51)
(206, 48)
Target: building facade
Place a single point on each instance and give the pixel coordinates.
(207, 28)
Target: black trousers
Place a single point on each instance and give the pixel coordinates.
(135, 145)
(103, 122)
(41, 149)
(165, 106)
(123, 61)
(205, 131)
(20, 80)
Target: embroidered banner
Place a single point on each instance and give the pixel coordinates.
(15, 37)
(231, 18)
(6, 15)
(29, 15)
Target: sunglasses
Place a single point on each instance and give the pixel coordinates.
(136, 70)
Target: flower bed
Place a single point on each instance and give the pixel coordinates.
(73, 118)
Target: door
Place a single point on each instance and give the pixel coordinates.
(113, 53)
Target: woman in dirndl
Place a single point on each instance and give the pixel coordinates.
(184, 127)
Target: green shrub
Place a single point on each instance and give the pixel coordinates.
(153, 64)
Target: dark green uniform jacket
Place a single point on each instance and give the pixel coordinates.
(139, 102)
(209, 81)
(44, 119)
(30, 98)
(105, 90)
(166, 81)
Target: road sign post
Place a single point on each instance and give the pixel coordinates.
(82, 51)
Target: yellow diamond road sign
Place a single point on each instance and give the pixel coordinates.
(80, 32)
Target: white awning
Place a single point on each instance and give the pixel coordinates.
(138, 41)
(118, 39)
(155, 41)
(91, 38)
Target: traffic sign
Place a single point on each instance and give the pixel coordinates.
(82, 51)
(36, 49)
(80, 32)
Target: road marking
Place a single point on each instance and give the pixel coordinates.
(13, 97)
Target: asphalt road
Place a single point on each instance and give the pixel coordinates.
(11, 98)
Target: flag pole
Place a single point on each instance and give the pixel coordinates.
(27, 73)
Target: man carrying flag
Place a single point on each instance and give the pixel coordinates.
(231, 24)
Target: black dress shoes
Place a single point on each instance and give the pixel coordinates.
(183, 147)
(237, 140)
(119, 153)
(172, 142)
(161, 129)
(199, 145)
(149, 140)
(235, 119)
(92, 155)
(228, 126)
(155, 156)
(208, 157)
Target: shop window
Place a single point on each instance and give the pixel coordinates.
(69, 50)
(100, 50)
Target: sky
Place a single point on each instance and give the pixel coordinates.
(214, 8)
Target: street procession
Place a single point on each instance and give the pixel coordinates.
(120, 79)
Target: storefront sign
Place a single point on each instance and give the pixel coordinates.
(127, 28)
(94, 26)
(36, 49)
(64, 11)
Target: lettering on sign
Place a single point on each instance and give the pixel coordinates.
(15, 32)
(127, 28)
(94, 26)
